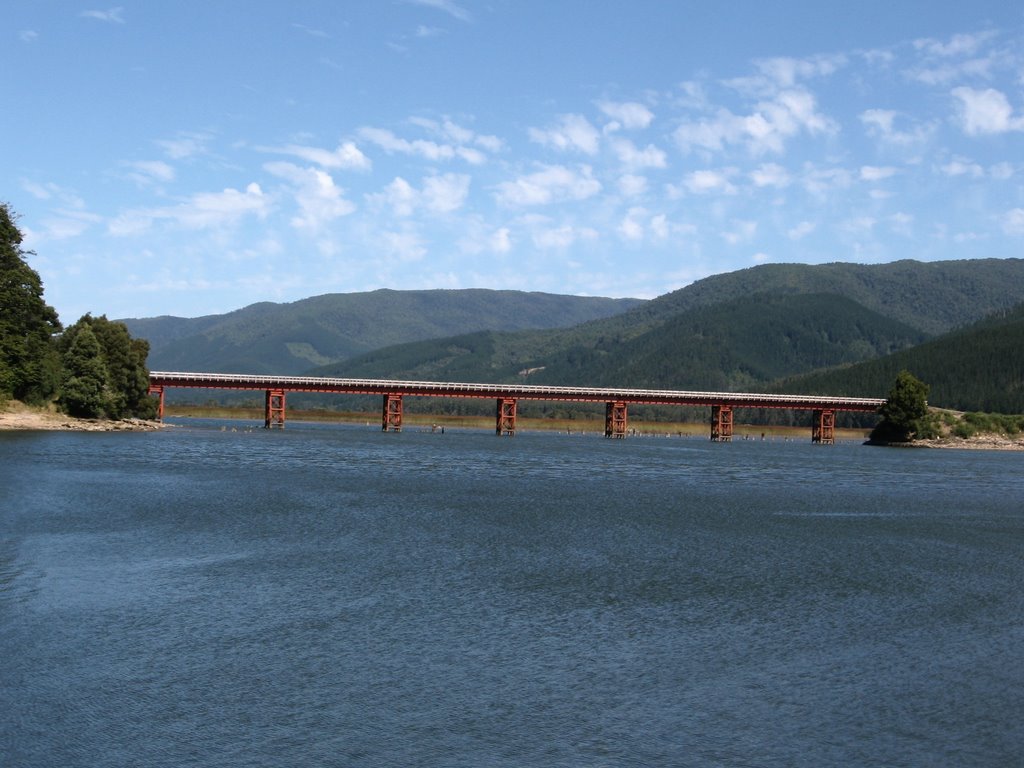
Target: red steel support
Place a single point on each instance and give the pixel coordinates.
(721, 423)
(157, 389)
(506, 416)
(275, 409)
(615, 419)
(823, 427)
(391, 419)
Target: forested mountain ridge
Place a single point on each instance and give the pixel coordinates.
(737, 344)
(290, 338)
(933, 297)
(978, 368)
(733, 331)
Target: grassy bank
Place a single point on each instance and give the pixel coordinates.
(575, 426)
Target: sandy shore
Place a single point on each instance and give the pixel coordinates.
(18, 416)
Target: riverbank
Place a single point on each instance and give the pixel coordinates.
(18, 416)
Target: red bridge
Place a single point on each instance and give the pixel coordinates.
(823, 409)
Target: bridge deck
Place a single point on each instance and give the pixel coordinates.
(515, 391)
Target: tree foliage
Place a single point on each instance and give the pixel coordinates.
(29, 365)
(100, 353)
(904, 411)
(94, 369)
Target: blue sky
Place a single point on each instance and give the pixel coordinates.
(191, 158)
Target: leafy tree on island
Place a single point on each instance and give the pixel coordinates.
(904, 411)
(29, 362)
(98, 352)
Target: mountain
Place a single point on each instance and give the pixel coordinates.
(734, 331)
(978, 368)
(737, 344)
(291, 338)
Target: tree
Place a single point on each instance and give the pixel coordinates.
(125, 377)
(903, 412)
(84, 388)
(29, 362)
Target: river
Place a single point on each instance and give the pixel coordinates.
(211, 595)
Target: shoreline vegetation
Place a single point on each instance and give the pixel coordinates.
(18, 416)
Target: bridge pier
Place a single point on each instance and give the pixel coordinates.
(157, 389)
(274, 413)
(615, 419)
(391, 418)
(506, 417)
(823, 427)
(721, 423)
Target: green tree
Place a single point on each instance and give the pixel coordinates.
(29, 362)
(904, 411)
(126, 377)
(84, 388)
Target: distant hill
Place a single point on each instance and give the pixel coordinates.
(979, 368)
(738, 344)
(291, 338)
(733, 331)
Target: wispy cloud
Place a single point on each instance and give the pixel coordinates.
(110, 16)
(569, 133)
(347, 156)
(203, 210)
(553, 183)
(447, 6)
(28, 36)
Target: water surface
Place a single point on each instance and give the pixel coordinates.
(334, 596)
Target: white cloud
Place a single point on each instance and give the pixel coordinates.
(801, 230)
(1001, 171)
(743, 231)
(881, 124)
(986, 112)
(875, 173)
(770, 175)
(553, 183)
(320, 201)
(447, 6)
(958, 45)
(391, 143)
(406, 246)
(632, 185)
(145, 172)
(185, 145)
(440, 194)
(570, 132)
(400, 195)
(767, 129)
(634, 159)
(445, 194)
(28, 36)
(562, 237)
(111, 15)
(708, 181)
(901, 223)
(626, 114)
(1013, 221)
(203, 210)
(631, 227)
(960, 166)
(346, 156)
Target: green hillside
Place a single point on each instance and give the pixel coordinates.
(933, 297)
(979, 368)
(291, 338)
(924, 299)
(737, 344)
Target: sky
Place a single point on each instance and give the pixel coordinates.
(192, 158)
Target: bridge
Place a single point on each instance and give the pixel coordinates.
(506, 396)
